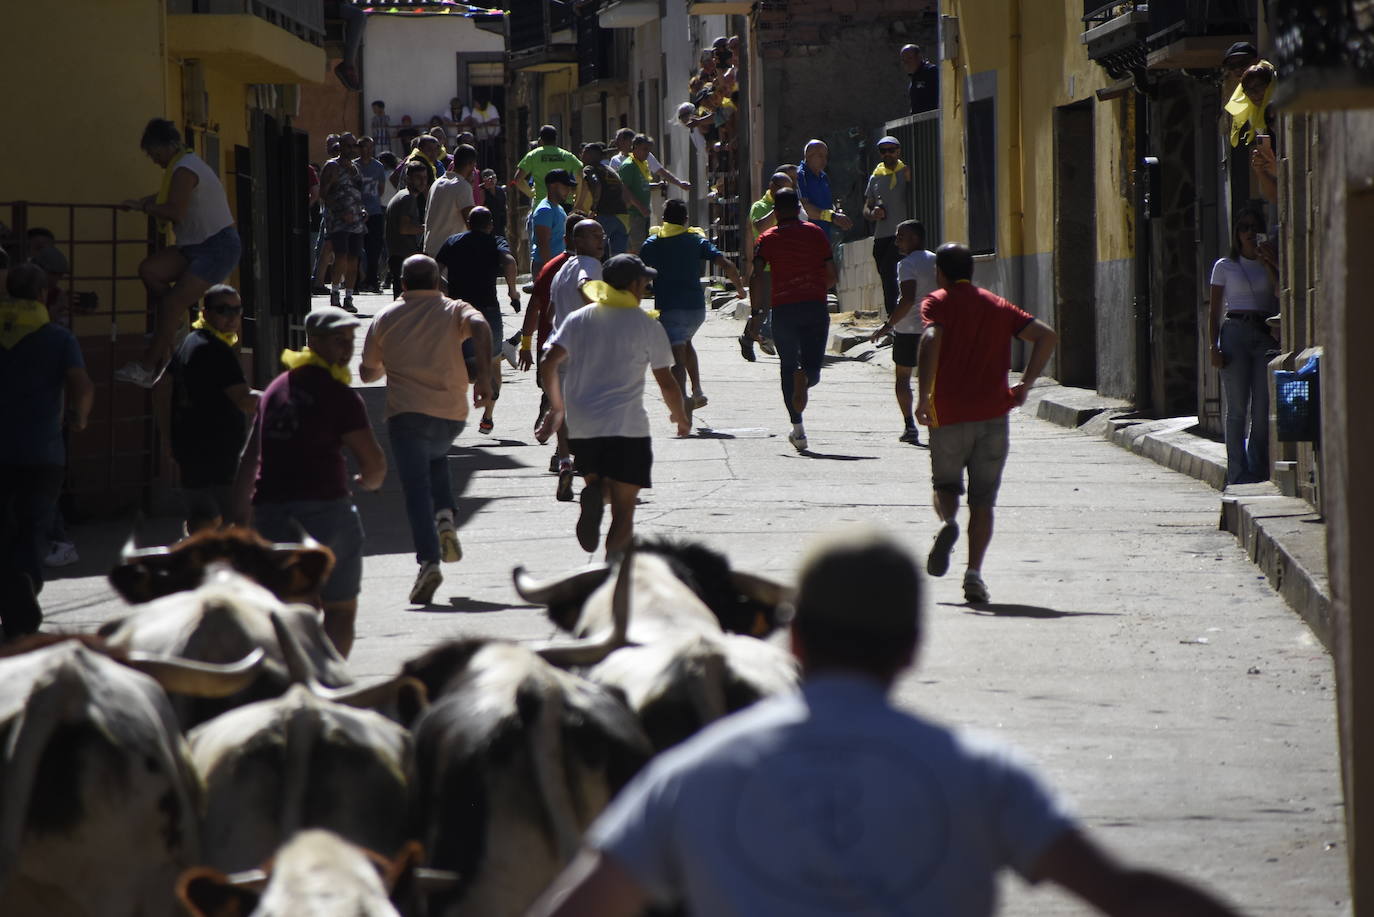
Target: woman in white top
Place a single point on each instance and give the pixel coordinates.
(193, 204)
(1243, 287)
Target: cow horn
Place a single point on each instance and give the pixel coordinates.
(198, 679)
(369, 697)
(298, 667)
(433, 881)
(759, 588)
(303, 539)
(572, 587)
(590, 653)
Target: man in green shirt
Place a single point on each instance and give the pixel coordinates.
(635, 175)
(542, 160)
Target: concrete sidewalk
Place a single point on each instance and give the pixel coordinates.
(1132, 651)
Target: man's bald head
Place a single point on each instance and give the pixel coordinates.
(588, 238)
(481, 220)
(420, 272)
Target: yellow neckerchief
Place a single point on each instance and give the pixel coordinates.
(164, 192)
(892, 174)
(668, 230)
(19, 318)
(227, 337)
(1243, 112)
(295, 359)
(643, 167)
(768, 196)
(604, 294)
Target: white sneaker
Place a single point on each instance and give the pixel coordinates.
(136, 374)
(975, 590)
(426, 582)
(798, 441)
(450, 550)
(511, 353)
(63, 554)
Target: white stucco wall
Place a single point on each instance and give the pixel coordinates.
(411, 62)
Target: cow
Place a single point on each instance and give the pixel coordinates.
(513, 760)
(293, 572)
(681, 660)
(223, 618)
(315, 874)
(98, 797)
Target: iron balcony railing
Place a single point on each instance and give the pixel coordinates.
(302, 18)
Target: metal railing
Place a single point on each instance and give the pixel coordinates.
(302, 18)
(920, 138)
(111, 463)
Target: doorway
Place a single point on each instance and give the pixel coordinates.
(1075, 245)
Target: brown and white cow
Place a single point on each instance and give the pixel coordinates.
(222, 619)
(98, 798)
(681, 661)
(514, 758)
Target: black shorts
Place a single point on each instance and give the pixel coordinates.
(904, 349)
(346, 244)
(627, 459)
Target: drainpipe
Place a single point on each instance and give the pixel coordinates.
(1143, 254)
(1016, 171)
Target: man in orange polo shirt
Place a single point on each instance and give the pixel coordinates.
(963, 361)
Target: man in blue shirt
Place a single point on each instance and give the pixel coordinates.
(39, 363)
(548, 220)
(832, 801)
(813, 187)
(676, 252)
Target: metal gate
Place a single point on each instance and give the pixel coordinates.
(920, 138)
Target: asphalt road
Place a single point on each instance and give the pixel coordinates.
(1131, 651)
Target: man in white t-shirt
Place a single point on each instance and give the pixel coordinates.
(915, 281)
(607, 346)
(833, 801)
(566, 296)
(450, 200)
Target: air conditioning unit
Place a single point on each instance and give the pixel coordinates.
(195, 101)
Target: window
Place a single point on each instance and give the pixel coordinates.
(981, 175)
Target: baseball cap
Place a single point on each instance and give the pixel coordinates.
(890, 604)
(562, 176)
(621, 270)
(329, 318)
(890, 141)
(1240, 47)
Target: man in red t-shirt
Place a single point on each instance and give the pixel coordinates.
(798, 255)
(964, 358)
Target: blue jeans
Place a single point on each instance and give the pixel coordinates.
(1245, 344)
(800, 332)
(419, 450)
(617, 236)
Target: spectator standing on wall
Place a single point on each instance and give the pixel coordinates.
(887, 204)
(923, 88)
(373, 183)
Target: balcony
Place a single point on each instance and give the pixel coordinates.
(719, 7)
(1115, 35)
(1325, 58)
(600, 56)
(1187, 35)
(257, 41)
(542, 34)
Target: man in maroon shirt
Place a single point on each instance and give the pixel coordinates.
(306, 418)
(963, 361)
(799, 257)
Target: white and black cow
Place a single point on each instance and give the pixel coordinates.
(224, 618)
(514, 758)
(681, 661)
(98, 798)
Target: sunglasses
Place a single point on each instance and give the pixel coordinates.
(225, 310)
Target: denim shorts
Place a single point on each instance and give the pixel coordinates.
(214, 259)
(981, 447)
(681, 324)
(334, 524)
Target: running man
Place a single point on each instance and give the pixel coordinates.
(798, 254)
(915, 278)
(964, 359)
(607, 346)
(762, 218)
(676, 251)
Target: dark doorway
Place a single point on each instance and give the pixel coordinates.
(1075, 245)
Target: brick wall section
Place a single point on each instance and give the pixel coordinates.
(785, 27)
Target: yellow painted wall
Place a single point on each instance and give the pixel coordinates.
(1036, 49)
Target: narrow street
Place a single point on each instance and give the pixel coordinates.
(1131, 650)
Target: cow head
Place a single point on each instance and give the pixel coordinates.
(743, 603)
(292, 572)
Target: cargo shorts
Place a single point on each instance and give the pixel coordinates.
(978, 446)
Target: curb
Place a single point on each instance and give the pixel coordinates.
(1283, 536)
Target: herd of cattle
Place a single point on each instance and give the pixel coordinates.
(208, 752)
